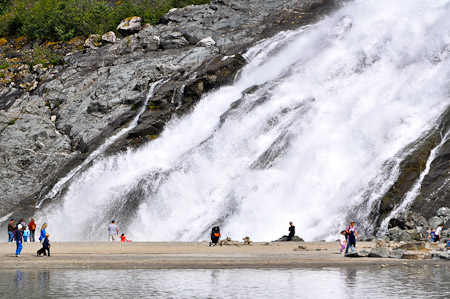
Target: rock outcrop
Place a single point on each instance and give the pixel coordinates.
(61, 115)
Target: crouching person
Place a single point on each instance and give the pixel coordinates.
(45, 246)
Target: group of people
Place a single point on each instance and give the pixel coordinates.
(348, 238)
(22, 232)
(435, 235)
(113, 231)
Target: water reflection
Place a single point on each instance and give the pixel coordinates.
(399, 282)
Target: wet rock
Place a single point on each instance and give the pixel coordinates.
(380, 252)
(130, 25)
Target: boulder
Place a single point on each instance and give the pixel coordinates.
(397, 253)
(440, 256)
(414, 246)
(206, 42)
(394, 233)
(436, 221)
(415, 255)
(109, 37)
(173, 40)
(362, 253)
(93, 41)
(404, 236)
(294, 239)
(380, 252)
(130, 25)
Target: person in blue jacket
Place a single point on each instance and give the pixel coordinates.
(43, 232)
(19, 239)
(45, 246)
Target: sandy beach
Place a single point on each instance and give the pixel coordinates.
(192, 255)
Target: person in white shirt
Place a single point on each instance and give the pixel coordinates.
(113, 231)
(438, 232)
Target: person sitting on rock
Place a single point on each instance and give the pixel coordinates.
(291, 231)
(432, 236)
(438, 232)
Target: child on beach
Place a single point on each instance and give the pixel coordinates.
(432, 236)
(343, 241)
(45, 246)
(26, 234)
(123, 238)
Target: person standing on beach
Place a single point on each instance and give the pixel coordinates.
(19, 239)
(352, 234)
(32, 228)
(438, 232)
(43, 232)
(291, 231)
(113, 231)
(11, 228)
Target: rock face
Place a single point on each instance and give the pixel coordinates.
(49, 127)
(435, 187)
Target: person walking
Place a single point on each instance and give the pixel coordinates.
(43, 232)
(291, 231)
(45, 246)
(113, 231)
(19, 239)
(11, 228)
(352, 234)
(32, 228)
(438, 232)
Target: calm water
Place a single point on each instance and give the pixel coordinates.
(399, 282)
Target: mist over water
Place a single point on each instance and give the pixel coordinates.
(333, 107)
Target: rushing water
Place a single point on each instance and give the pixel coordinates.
(227, 283)
(334, 107)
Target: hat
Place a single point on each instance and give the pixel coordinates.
(19, 226)
(12, 219)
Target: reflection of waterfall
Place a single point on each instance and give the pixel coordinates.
(315, 125)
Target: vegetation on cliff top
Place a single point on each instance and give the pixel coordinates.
(62, 20)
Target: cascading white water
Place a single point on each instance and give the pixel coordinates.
(334, 104)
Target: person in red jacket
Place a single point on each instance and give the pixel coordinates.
(32, 228)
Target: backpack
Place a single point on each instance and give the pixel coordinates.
(215, 231)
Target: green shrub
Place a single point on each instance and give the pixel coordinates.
(42, 55)
(65, 19)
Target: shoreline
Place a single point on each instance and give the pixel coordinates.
(196, 255)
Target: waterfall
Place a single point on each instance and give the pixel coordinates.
(316, 119)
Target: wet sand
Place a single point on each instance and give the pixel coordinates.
(193, 255)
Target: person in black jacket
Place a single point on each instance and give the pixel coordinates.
(291, 231)
(45, 246)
